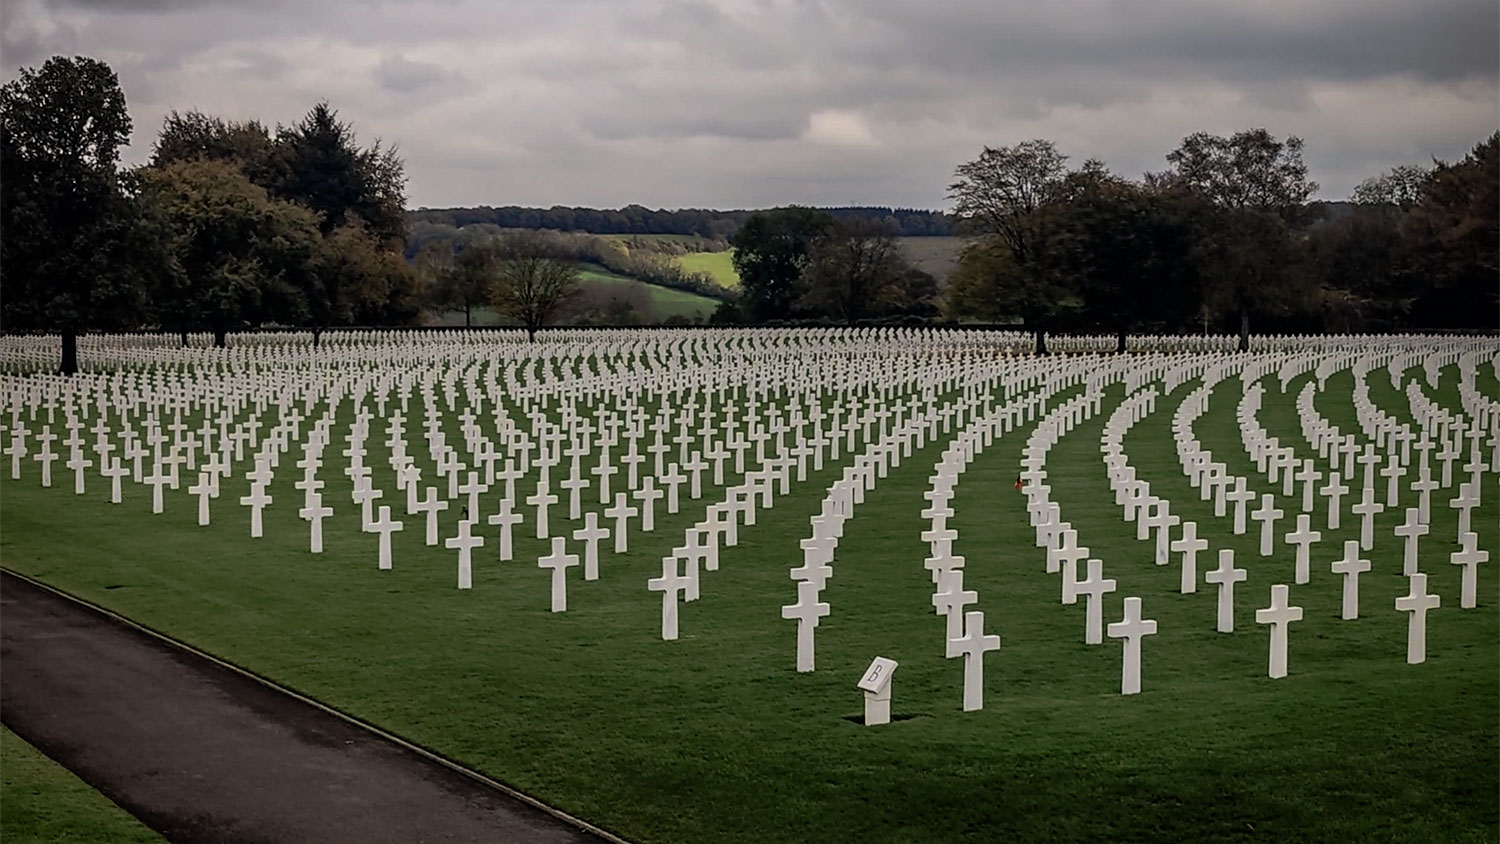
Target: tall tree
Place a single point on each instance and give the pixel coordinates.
(1400, 187)
(351, 281)
(237, 256)
(69, 228)
(1454, 233)
(248, 145)
(770, 251)
(326, 170)
(1128, 252)
(459, 281)
(1259, 186)
(854, 270)
(532, 281)
(1001, 197)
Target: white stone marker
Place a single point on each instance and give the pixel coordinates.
(807, 611)
(1094, 587)
(1469, 556)
(1189, 546)
(256, 501)
(589, 535)
(465, 542)
(1411, 530)
(1303, 537)
(876, 684)
(385, 526)
(671, 585)
(432, 505)
(1333, 491)
(1267, 514)
(314, 512)
(950, 600)
(204, 489)
(621, 512)
(1366, 509)
(1417, 602)
(1131, 628)
(507, 518)
(559, 561)
(972, 647)
(1279, 615)
(1351, 567)
(541, 500)
(1226, 576)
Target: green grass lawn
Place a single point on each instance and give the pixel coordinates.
(664, 301)
(717, 265)
(715, 738)
(40, 801)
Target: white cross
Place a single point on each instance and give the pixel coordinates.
(257, 501)
(972, 646)
(1279, 615)
(672, 479)
(1308, 474)
(315, 512)
(559, 561)
(1392, 472)
(431, 505)
(385, 526)
(541, 500)
(1351, 566)
(1189, 546)
(1366, 509)
(465, 542)
(589, 535)
(1333, 491)
(1411, 531)
(1303, 537)
(671, 584)
(507, 519)
(1466, 501)
(620, 512)
(1131, 628)
(951, 599)
(807, 611)
(648, 495)
(1417, 602)
(1226, 576)
(1240, 496)
(1469, 556)
(115, 471)
(1267, 515)
(1095, 587)
(204, 489)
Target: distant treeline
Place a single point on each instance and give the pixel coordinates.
(637, 219)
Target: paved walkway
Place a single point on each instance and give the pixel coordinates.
(203, 753)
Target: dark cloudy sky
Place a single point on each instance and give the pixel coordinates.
(750, 103)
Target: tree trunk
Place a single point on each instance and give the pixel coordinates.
(1041, 341)
(69, 351)
(1244, 330)
(317, 337)
(468, 319)
(220, 335)
(531, 333)
(1120, 342)
(184, 338)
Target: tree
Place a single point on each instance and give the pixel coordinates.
(351, 281)
(1001, 197)
(1401, 187)
(770, 251)
(1259, 188)
(1454, 233)
(854, 270)
(68, 253)
(326, 170)
(459, 282)
(532, 282)
(1128, 252)
(236, 255)
(248, 145)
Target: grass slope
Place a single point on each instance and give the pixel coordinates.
(717, 738)
(717, 265)
(41, 800)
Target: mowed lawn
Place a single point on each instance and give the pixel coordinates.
(41, 801)
(663, 302)
(717, 265)
(715, 738)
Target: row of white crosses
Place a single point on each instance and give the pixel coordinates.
(1350, 565)
(1060, 539)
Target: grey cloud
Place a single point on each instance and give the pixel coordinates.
(405, 76)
